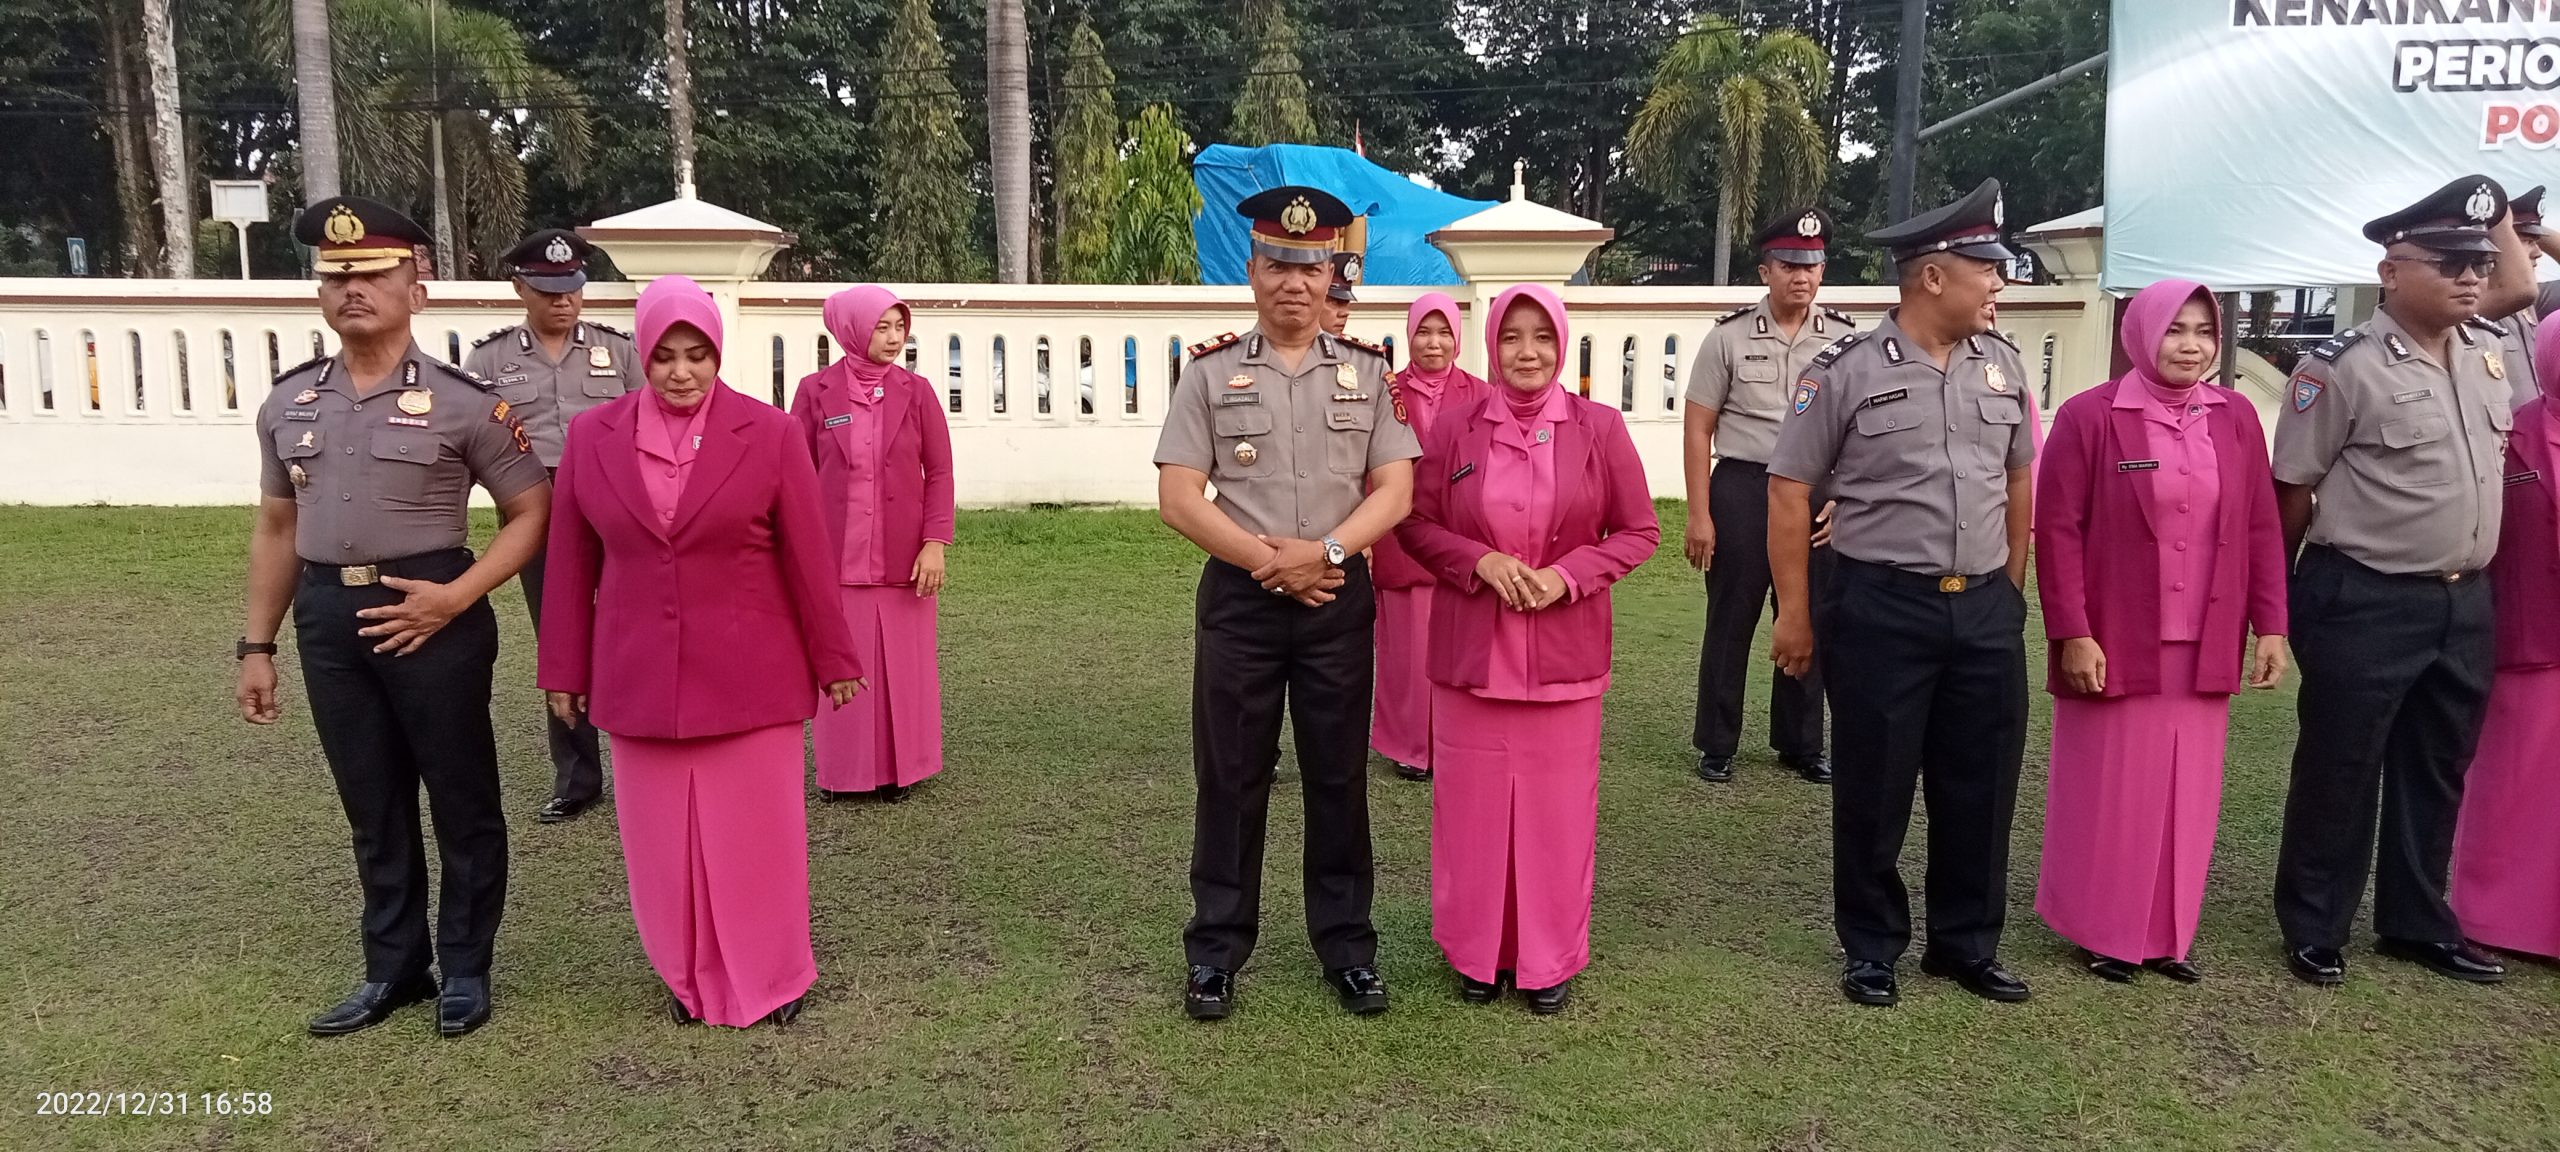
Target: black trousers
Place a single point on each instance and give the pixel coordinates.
(1254, 654)
(389, 724)
(1738, 588)
(577, 754)
(1928, 689)
(2395, 684)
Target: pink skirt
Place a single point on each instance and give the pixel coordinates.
(716, 837)
(2130, 810)
(2506, 847)
(1515, 810)
(892, 732)
(1400, 723)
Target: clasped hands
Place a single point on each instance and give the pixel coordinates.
(570, 706)
(1522, 588)
(1297, 570)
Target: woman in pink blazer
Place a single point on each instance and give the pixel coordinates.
(1430, 384)
(2157, 553)
(2506, 861)
(883, 450)
(694, 621)
(1528, 504)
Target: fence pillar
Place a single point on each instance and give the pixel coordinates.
(721, 249)
(1515, 242)
(2073, 251)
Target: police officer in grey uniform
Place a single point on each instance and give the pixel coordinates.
(548, 369)
(2516, 329)
(1342, 293)
(2398, 428)
(1920, 428)
(1313, 464)
(366, 461)
(1737, 396)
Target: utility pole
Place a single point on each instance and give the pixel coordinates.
(1905, 161)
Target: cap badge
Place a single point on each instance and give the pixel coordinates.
(1351, 268)
(342, 227)
(1810, 226)
(558, 251)
(1298, 217)
(1246, 453)
(417, 403)
(2482, 205)
(2000, 211)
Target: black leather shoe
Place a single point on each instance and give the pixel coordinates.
(1815, 770)
(2108, 968)
(1715, 769)
(1409, 772)
(2178, 970)
(1211, 994)
(1363, 991)
(371, 1004)
(2453, 960)
(464, 1005)
(2321, 966)
(1548, 1001)
(1869, 982)
(677, 1012)
(1476, 991)
(894, 793)
(785, 1014)
(561, 810)
(1984, 978)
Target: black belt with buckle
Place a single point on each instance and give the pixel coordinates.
(2463, 576)
(368, 575)
(1950, 584)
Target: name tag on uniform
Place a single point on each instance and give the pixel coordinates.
(2412, 397)
(1464, 471)
(1755, 356)
(1240, 398)
(504, 381)
(839, 421)
(413, 421)
(602, 372)
(1343, 418)
(2138, 466)
(1887, 397)
(2523, 478)
(301, 413)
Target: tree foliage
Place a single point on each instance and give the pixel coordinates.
(1737, 107)
(926, 196)
(1272, 108)
(1087, 150)
(1151, 241)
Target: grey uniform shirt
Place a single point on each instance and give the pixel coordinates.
(387, 475)
(1289, 452)
(2405, 456)
(1745, 369)
(2515, 336)
(1919, 459)
(597, 366)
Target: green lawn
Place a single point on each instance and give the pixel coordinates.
(999, 958)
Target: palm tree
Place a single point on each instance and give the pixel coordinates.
(315, 100)
(1741, 104)
(168, 143)
(401, 83)
(679, 98)
(1009, 137)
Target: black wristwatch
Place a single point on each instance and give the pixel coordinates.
(244, 649)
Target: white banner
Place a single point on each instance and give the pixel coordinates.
(2249, 140)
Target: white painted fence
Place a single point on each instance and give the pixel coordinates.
(142, 392)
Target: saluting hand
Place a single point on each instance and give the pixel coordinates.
(929, 573)
(256, 691)
(1791, 644)
(1822, 524)
(842, 691)
(2084, 665)
(568, 706)
(2268, 663)
(424, 609)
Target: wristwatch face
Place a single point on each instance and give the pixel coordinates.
(1332, 552)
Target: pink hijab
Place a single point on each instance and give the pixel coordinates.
(2146, 322)
(1545, 300)
(850, 317)
(672, 300)
(1432, 382)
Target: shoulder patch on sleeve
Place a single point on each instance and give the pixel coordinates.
(2336, 346)
(1831, 355)
(1736, 314)
(493, 335)
(465, 375)
(1222, 340)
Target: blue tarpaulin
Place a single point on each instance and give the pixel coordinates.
(1400, 211)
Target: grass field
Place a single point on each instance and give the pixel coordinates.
(999, 957)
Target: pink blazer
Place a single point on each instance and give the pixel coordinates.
(1389, 565)
(915, 502)
(1604, 527)
(2525, 575)
(726, 624)
(2098, 563)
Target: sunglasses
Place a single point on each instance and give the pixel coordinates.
(2453, 267)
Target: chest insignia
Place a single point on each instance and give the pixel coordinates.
(306, 396)
(1246, 453)
(417, 403)
(1992, 376)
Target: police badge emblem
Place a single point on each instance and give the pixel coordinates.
(1805, 390)
(2305, 393)
(417, 403)
(558, 251)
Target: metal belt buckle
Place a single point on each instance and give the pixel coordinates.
(360, 576)
(1951, 584)
(2453, 577)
